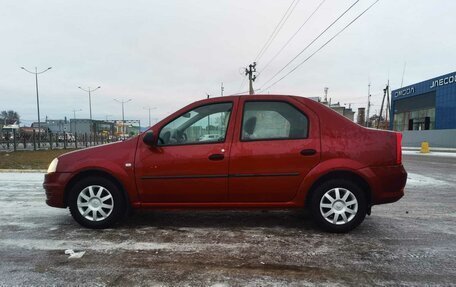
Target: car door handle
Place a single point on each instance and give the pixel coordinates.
(216, 156)
(307, 152)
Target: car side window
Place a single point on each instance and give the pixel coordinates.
(272, 120)
(204, 124)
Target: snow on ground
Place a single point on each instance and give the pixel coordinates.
(21, 197)
(22, 177)
(106, 245)
(414, 179)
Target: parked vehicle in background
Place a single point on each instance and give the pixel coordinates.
(274, 152)
(69, 137)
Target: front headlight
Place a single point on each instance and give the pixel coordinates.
(53, 166)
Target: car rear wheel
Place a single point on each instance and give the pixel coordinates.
(338, 205)
(96, 202)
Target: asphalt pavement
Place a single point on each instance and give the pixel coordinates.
(410, 243)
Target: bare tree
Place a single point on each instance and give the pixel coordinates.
(9, 117)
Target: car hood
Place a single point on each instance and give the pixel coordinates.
(117, 153)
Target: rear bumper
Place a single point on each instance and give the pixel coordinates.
(54, 185)
(387, 183)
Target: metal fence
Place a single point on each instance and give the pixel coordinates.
(46, 141)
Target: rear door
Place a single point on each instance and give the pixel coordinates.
(276, 143)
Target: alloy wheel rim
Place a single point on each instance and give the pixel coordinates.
(95, 203)
(338, 206)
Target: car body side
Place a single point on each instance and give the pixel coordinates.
(343, 149)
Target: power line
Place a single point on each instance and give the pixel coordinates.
(313, 41)
(271, 38)
(245, 92)
(321, 47)
(291, 38)
(277, 29)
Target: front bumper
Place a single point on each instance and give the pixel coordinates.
(54, 185)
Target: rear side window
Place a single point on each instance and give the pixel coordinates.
(264, 120)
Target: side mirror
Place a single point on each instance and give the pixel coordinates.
(149, 139)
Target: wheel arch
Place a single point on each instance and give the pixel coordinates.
(96, 173)
(345, 175)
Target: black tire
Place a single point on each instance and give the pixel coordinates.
(94, 218)
(354, 212)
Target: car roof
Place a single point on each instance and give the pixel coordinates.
(272, 96)
(309, 102)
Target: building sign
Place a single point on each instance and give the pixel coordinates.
(405, 92)
(443, 81)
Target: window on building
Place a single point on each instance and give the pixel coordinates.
(423, 119)
(415, 113)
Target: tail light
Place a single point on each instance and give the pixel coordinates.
(398, 148)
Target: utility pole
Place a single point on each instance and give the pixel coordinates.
(381, 107)
(36, 73)
(149, 108)
(123, 114)
(368, 105)
(403, 74)
(388, 107)
(222, 89)
(249, 72)
(74, 117)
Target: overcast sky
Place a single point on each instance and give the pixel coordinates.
(166, 54)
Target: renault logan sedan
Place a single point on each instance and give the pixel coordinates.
(271, 151)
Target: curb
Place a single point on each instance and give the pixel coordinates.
(432, 149)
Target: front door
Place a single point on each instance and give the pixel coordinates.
(190, 160)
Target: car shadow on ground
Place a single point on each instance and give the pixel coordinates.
(219, 219)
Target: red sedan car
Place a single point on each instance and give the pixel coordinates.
(260, 151)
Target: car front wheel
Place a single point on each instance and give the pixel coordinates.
(338, 205)
(96, 202)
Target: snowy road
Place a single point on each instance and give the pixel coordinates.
(411, 242)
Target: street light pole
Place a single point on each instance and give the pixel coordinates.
(90, 102)
(149, 108)
(37, 98)
(123, 114)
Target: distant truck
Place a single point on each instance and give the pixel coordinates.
(8, 132)
(26, 133)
